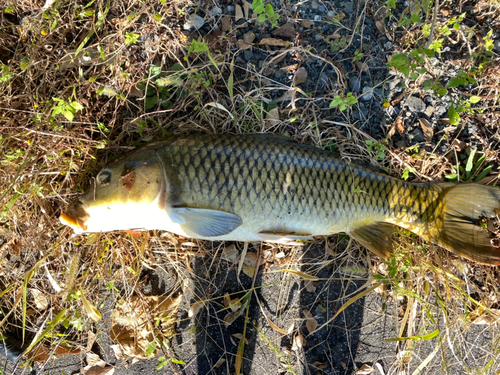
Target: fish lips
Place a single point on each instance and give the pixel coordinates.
(76, 216)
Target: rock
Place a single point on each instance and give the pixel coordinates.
(416, 136)
(230, 9)
(279, 74)
(415, 104)
(367, 93)
(248, 55)
(321, 8)
(216, 11)
(355, 84)
(314, 5)
(323, 79)
(348, 7)
(330, 14)
(318, 38)
(317, 18)
(193, 21)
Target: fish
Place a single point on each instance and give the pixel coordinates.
(265, 187)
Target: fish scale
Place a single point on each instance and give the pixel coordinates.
(269, 188)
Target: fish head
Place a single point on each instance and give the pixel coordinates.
(120, 196)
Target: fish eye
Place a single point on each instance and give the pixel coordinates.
(104, 177)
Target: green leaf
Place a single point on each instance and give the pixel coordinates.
(150, 102)
(474, 99)
(69, 115)
(150, 348)
(415, 18)
(259, 9)
(77, 106)
(261, 18)
(453, 116)
(269, 10)
(429, 336)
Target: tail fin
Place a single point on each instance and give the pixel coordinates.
(464, 208)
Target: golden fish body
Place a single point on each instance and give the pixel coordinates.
(268, 188)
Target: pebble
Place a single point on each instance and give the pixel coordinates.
(321, 8)
(314, 5)
(317, 18)
(323, 79)
(387, 45)
(330, 14)
(248, 54)
(279, 74)
(230, 9)
(216, 11)
(416, 136)
(415, 104)
(348, 7)
(367, 93)
(193, 21)
(318, 38)
(355, 84)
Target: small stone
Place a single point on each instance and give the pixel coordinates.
(317, 18)
(348, 7)
(355, 84)
(321, 8)
(248, 54)
(387, 45)
(193, 21)
(216, 11)
(415, 104)
(416, 136)
(279, 74)
(322, 80)
(318, 38)
(314, 5)
(330, 14)
(230, 9)
(367, 93)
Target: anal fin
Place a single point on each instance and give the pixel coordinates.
(375, 237)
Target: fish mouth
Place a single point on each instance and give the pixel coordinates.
(76, 217)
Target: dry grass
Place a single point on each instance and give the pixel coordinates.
(82, 55)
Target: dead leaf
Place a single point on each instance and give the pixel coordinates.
(41, 300)
(239, 336)
(310, 287)
(333, 36)
(382, 29)
(273, 117)
(226, 23)
(286, 31)
(195, 307)
(231, 317)
(250, 259)
(311, 323)
(298, 342)
(300, 76)
(397, 125)
(238, 13)
(94, 360)
(246, 8)
(480, 316)
(220, 362)
(306, 23)
(132, 324)
(363, 67)
(243, 45)
(320, 365)
(247, 270)
(274, 42)
(128, 179)
(230, 254)
(426, 128)
(289, 68)
(364, 370)
(233, 304)
(98, 370)
(249, 37)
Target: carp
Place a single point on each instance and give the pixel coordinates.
(269, 188)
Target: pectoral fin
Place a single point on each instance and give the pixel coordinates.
(375, 237)
(201, 222)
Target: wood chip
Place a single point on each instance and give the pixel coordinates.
(306, 23)
(249, 37)
(427, 129)
(383, 30)
(246, 8)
